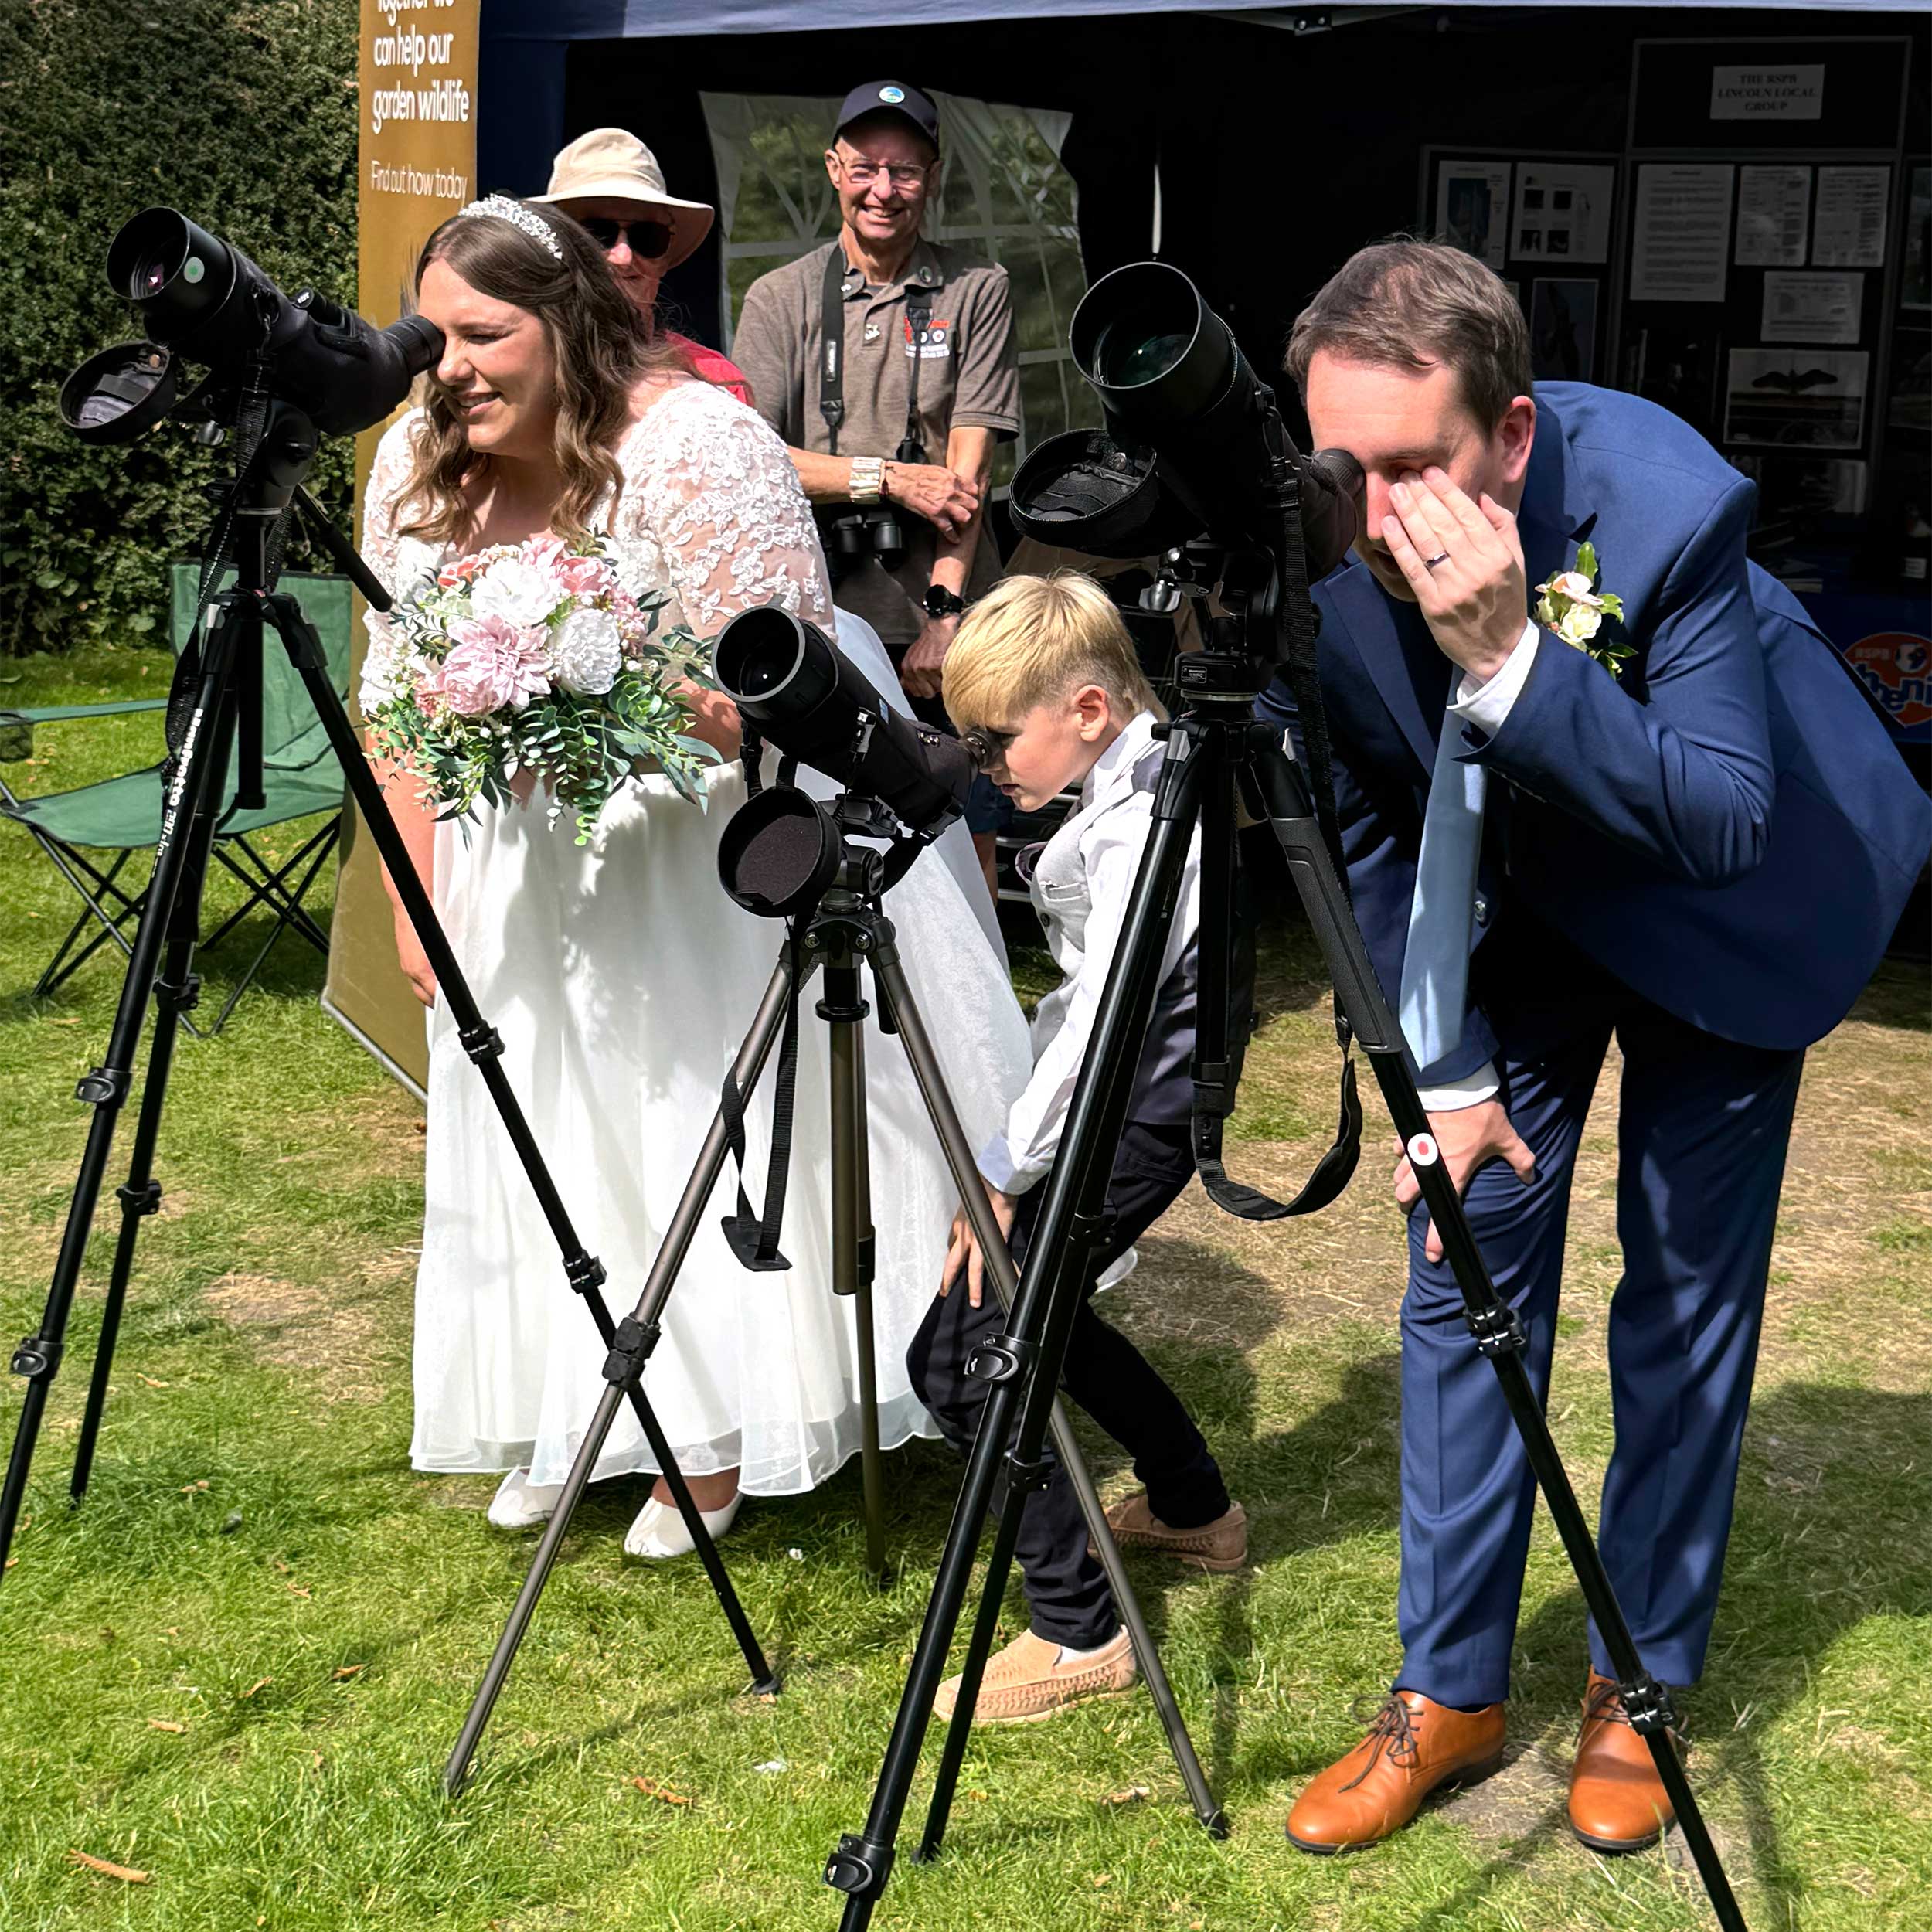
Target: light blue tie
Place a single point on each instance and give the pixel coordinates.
(1435, 968)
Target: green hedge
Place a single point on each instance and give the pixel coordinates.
(242, 117)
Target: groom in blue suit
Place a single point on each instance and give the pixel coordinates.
(1680, 828)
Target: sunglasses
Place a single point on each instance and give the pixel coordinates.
(648, 239)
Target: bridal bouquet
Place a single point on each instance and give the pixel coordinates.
(532, 658)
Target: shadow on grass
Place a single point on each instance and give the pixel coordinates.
(1828, 1532)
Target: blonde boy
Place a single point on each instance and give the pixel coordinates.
(1044, 682)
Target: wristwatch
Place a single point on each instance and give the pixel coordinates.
(939, 602)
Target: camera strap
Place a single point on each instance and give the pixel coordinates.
(919, 316)
(832, 352)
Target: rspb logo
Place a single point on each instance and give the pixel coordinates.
(1896, 666)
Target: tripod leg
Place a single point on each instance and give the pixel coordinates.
(176, 990)
(634, 1338)
(853, 1249)
(1275, 785)
(194, 795)
(896, 997)
(1023, 1365)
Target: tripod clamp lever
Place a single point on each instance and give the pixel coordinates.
(481, 1043)
(1001, 1358)
(585, 1272)
(1497, 1330)
(860, 1866)
(631, 1347)
(1647, 1703)
(105, 1084)
(37, 1358)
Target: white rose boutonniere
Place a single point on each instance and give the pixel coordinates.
(1573, 604)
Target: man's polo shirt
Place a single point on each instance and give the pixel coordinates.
(968, 378)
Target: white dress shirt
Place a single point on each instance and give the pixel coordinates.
(1080, 888)
(1485, 706)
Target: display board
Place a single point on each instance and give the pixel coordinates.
(416, 164)
(1546, 222)
(1760, 226)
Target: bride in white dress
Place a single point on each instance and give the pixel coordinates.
(621, 977)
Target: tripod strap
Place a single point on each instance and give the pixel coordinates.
(1299, 659)
(1224, 1018)
(1331, 1174)
(754, 1237)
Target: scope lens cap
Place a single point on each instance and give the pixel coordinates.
(120, 393)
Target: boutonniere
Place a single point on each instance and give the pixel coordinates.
(1572, 604)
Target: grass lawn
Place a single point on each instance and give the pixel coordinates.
(239, 1667)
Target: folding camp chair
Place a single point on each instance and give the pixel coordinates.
(122, 816)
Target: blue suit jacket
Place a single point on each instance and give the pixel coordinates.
(1727, 829)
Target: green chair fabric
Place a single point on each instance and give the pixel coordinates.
(123, 815)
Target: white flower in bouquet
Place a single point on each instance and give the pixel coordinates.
(521, 593)
(586, 652)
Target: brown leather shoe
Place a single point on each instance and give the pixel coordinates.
(1415, 1746)
(1617, 1801)
(1221, 1545)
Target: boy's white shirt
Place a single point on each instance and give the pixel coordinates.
(1100, 844)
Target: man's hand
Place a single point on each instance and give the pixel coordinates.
(922, 669)
(962, 1250)
(1474, 593)
(1465, 1139)
(946, 500)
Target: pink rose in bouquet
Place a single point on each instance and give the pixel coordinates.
(493, 666)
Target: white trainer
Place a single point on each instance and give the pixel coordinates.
(521, 1503)
(658, 1531)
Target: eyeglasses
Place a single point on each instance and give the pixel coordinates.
(648, 239)
(905, 175)
(987, 747)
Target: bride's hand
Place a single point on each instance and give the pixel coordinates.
(714, 719)
(523, 786)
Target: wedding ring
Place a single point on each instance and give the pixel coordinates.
(1429, 562)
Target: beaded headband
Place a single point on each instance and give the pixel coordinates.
(502, 208)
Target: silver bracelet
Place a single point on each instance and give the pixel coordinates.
(867, 480)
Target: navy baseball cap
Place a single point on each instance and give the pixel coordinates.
(890, 97)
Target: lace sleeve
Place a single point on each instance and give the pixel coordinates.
(381, 549)
(712, 488)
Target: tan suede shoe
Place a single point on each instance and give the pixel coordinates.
(1026, 1681)
(1617, 1801)
(1415, 1746)
(1221, 1545)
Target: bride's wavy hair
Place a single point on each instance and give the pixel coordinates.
(600, 346)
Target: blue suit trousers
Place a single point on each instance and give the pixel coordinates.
(1702, 1129)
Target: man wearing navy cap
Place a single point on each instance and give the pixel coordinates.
(926, 383)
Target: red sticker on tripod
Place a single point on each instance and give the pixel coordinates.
(1422, 1150)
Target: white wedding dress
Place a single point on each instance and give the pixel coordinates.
(623, 981)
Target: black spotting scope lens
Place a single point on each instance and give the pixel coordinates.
(1143, 337)
(175, 273)
(792, 685)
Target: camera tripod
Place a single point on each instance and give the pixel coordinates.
(848, 929)
(224, 718)
(1215, 748)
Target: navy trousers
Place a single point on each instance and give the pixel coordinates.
(1066, 1589)
(1703, 1129)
